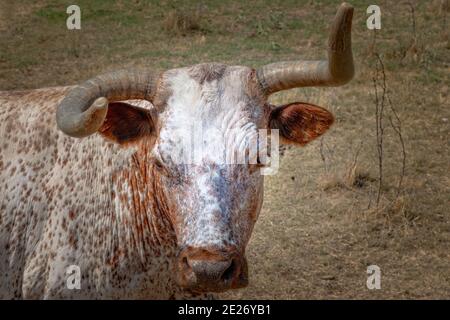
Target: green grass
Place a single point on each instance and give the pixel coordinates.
(232, 32)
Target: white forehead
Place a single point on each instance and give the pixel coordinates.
(208, 114)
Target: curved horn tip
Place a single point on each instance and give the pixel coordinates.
(344, 13)
(84, 108)
(94, 117)
(100, 103)
(336, 71)
(345, 6)
(85, 123)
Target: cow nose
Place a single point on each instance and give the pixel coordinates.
(208, 270)
(212, 271)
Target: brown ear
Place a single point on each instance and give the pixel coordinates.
(299, 122)
(125, 123)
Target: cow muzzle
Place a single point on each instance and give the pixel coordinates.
(212, 270)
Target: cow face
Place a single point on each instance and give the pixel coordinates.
(204, 115)
(210, 119)
(207, 155)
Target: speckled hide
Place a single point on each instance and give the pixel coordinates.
(60, 205)
(122, 209)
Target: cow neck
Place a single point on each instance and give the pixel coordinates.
(142, 193)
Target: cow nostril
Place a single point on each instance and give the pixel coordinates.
(229, 272)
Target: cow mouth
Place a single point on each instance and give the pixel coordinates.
(242, 282)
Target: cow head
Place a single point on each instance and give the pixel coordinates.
(203, 118)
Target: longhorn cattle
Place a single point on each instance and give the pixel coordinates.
(102, 187)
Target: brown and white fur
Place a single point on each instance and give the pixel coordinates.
(118, 204)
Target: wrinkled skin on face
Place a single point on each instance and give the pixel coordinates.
(212, 113)
(206, 117)
(216, 202)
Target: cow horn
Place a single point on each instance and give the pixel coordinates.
(335, 71)
(83, 110)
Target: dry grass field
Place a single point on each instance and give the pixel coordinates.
(321, 225)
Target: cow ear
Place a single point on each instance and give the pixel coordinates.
(300, 123)
(126, 124)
